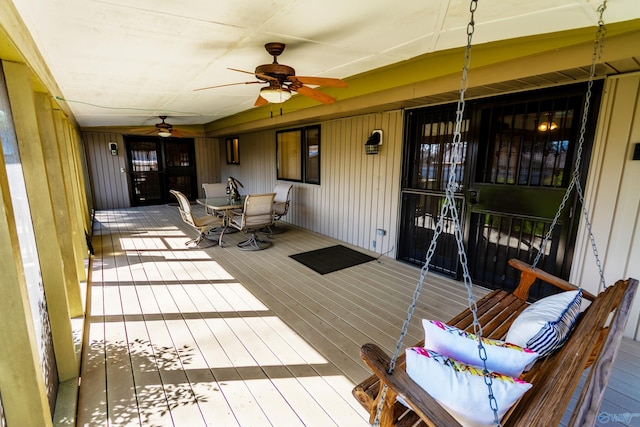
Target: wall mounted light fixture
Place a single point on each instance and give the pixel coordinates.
(113, 147)
(548, 124)
(372, 146)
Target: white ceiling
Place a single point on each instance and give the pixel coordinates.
(125, 62)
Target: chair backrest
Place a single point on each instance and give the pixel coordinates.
(258, 210)
(215, 190)
(282, 199)
(184, 206)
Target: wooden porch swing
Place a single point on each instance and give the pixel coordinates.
(593, 343)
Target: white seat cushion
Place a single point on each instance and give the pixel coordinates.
(460, 388)
(505, 358)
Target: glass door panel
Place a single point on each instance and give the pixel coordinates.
(146, 171)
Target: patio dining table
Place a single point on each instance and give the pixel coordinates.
(225, 205)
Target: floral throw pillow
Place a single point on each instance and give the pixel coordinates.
(461, 388)
(503, 357)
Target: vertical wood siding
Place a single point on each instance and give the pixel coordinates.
(111, 187)
(358, 193)
(207, 161)
(612, 194)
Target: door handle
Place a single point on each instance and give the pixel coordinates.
(473, 197)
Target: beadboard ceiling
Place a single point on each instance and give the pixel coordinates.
(126, 62)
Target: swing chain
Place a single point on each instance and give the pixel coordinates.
(457, 148)
(598, 47)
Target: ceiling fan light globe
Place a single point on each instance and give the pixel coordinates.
(275, 95)
(164, 134)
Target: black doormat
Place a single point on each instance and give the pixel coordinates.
(333, 258)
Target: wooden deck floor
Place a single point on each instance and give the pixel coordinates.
(222, 337)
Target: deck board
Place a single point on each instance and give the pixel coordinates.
(223, 337)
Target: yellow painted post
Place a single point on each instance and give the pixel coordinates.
(24, 395)
(79, 243)
(33, 165)
(79, 161)
(59, 200)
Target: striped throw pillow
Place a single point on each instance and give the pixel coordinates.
(545, 325)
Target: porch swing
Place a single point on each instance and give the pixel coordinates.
(393, 398)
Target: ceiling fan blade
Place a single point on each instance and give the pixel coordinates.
(262, 76)
(228, 84)
(260, 101)
(315, 94)
(320, 81)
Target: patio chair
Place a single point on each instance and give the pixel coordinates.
(214, 190)
(211, 191)
(201, 224)
(257, 214)
(280, 205)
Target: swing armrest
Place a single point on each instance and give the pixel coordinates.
(529, 274)
(425, 406)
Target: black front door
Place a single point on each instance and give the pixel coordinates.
(158, 165)
(520, 153)
(428, 157)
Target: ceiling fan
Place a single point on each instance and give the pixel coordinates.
(165, 129)
(281, 80)
(162, 129)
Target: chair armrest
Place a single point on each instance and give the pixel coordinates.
(425, 406)
(529, 274)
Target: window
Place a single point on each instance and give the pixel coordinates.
(298, 154)
(233, 151)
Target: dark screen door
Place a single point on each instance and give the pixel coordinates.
(158, 165)
(520, 153)
(427, 166)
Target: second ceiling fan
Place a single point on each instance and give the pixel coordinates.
(282, 81)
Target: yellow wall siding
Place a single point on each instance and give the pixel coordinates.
(612, 194)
